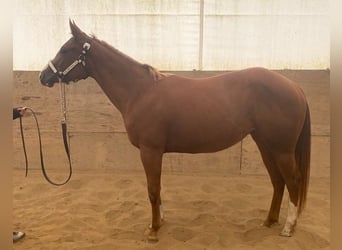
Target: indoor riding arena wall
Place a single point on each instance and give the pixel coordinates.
(98, 139)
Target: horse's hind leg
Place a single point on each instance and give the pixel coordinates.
(152, 161)
(277, 182)
(287, 165)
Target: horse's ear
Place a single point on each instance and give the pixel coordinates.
(75, 31)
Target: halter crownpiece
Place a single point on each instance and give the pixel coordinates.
(86, 47)
(81, 59)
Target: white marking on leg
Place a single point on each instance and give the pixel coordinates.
(161, 212)
(291, 220)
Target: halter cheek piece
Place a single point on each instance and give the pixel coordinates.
(81, 59)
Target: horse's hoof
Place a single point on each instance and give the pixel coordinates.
(270, 223)
(152, 236)
(152, 239)
(286, 233)
(264, 225)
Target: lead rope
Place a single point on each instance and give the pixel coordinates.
(65, 140)
(23, 142)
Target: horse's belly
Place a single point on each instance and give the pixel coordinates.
(197, 141)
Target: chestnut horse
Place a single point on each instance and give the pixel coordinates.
(169, 113)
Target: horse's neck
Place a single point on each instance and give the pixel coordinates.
(121, 78)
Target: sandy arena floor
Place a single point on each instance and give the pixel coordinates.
(108, 210)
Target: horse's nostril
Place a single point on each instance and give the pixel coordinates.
(41, 77)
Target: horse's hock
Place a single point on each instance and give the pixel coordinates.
(98, 138)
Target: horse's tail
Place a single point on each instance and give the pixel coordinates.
(302, 154)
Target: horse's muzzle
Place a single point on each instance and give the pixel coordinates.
(47, 78)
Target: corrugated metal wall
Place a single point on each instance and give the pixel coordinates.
(181, 34)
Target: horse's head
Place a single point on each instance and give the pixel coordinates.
(70, 62)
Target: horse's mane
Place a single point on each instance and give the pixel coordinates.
(154, 73)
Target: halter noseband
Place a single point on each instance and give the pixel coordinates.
(81, 59)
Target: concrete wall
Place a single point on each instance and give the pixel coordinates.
(99, 141)
(181, 34)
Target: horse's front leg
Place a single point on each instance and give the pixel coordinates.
(152, 161)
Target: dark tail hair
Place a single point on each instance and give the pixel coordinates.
(303, 152)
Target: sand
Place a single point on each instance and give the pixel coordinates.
(110, 210)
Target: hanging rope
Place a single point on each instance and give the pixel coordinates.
(65, 141)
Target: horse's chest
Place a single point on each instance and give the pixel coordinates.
(145, 130)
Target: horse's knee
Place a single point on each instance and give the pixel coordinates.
(154, 195)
